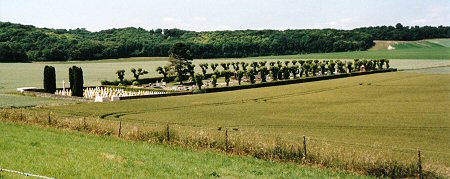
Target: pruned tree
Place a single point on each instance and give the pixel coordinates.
(370, 65)
(204, 67)
(357, 64)
(49, 79)
(214, 66)
(340, 66)
(387, 64)
(274, 71)
(286, 63)
(294, 62)
(323, 69)
(263, 71)
(251, 75)
(120, 75)
(314, 67)
(306, 68)
(164, 71)
(286, 72)
(214, 80)
(280, 64)
(331, 66)
(227, 74)
(240, 74)
(225, 66)
(262, 63)
(349, 66)
(137, 73)
(198, 78)
(217, 73)
(180, 58)
(244, 66)
(255, 66)
(294, 70)
(191, 71)
(382, 61)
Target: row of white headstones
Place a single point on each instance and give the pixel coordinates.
(102, 94)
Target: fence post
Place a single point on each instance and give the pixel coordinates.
(120, 128)
(304, 146)
(419, 163)
(49, 118)
(84, 123)
(226, 139)
(168, 133)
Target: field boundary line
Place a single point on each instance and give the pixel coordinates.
(23, 173)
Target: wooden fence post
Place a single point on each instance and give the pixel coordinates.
(168, 133)
(84, 123)
(120, 128)
(49, 118)
(226, 139)
(419, 163)
(304, 146)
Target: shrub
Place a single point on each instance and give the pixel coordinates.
(77, 81)
(49, 79)
(136, 83)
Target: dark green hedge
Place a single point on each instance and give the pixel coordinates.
(49, 79)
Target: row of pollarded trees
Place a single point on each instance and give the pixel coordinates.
(285, 70)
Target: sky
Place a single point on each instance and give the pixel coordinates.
(208, 15)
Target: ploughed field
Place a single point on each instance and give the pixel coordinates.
(389, 114)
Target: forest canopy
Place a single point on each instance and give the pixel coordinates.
(24, 43)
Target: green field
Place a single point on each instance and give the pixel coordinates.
(384, 116)
(394, 112)
(17, 75)
(62, 154)
(422, 49)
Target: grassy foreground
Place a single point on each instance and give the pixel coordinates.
(60, 154)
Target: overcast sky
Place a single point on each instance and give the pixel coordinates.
(201, 15)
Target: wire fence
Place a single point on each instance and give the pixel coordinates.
(25, 174)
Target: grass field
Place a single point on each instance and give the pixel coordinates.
(17, 75)
(394, 112)
(385, 115)
(62, 154)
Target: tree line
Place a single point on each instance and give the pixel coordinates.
(23, 43)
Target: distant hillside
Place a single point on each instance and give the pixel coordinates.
(21, 43)
(427, 43)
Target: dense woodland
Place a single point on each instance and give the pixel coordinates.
(24, 43)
